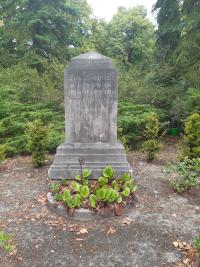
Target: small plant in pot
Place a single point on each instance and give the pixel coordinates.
(105, 195)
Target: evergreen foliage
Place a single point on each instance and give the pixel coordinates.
(158, 68)
(39, 31)
(132, 119)
(37, 141)
(169, 30)
(190, 145)
(152, 128)
(2, 154)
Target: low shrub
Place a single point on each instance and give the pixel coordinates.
(37, 135)
(132, 120)
(190, 145)
(5, 242)
(187, 173)
(26, 96)
(2, 154)
(152, 144)
(123, 139)
(196, 244)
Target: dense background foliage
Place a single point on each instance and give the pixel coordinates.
(158, 65)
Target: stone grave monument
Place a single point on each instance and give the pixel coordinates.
(90, 120)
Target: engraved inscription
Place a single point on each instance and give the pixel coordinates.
(89, 98)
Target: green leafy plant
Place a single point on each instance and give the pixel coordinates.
(103, 181)
(93, 201)
(70, 202)
(196, 243)
(54, 188)
(108, 172)
(64, 182)
(187, 172)
(119, 200)
(106, 192)
(84, 191)
(85, 173)
(37, 135)
(2, 154)
(190, 145)
(58, 197)
(75, 186)
(152, 145)
(5, 242)
(77, 200)
(133, 116)
(65, 195)
(123, 139)
(126, 192)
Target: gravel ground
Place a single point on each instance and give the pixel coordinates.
(142, 238)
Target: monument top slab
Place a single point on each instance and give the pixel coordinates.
(91, 60)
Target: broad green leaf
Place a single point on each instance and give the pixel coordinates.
(58, 197)
(119, 200)
(103, 181)
(93, 201)
(77, 177)
(86, 173)
(134, 188)
(126, 192)
(108, 172)
(70, 202)
(66, 195)
(75, 186)
(100, 193)
(78, 201)
(84, 191)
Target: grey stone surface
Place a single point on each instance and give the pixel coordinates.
(43, 242)
(90, 119)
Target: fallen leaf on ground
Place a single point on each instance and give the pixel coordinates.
(190, 253)
(111, 231)
(126, 221)
(42, 199)
(175, 243)
(83, 231)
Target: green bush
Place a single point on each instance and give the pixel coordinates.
(193, 100)
(37, 135)
(123, 139)
(2, 154)
(26, 96)
(5, 242)
(196, 243)
(187, 172)
(152, 128)
(132, 119)
(190, 145)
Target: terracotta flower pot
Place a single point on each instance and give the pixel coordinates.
(118, 208)
(71, 211)
(106, 210)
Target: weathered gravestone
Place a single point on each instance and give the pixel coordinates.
(90, 119)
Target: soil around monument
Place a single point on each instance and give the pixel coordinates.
(143, 238)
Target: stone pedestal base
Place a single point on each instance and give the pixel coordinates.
(96, 156)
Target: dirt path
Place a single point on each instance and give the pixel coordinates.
(143, 238)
